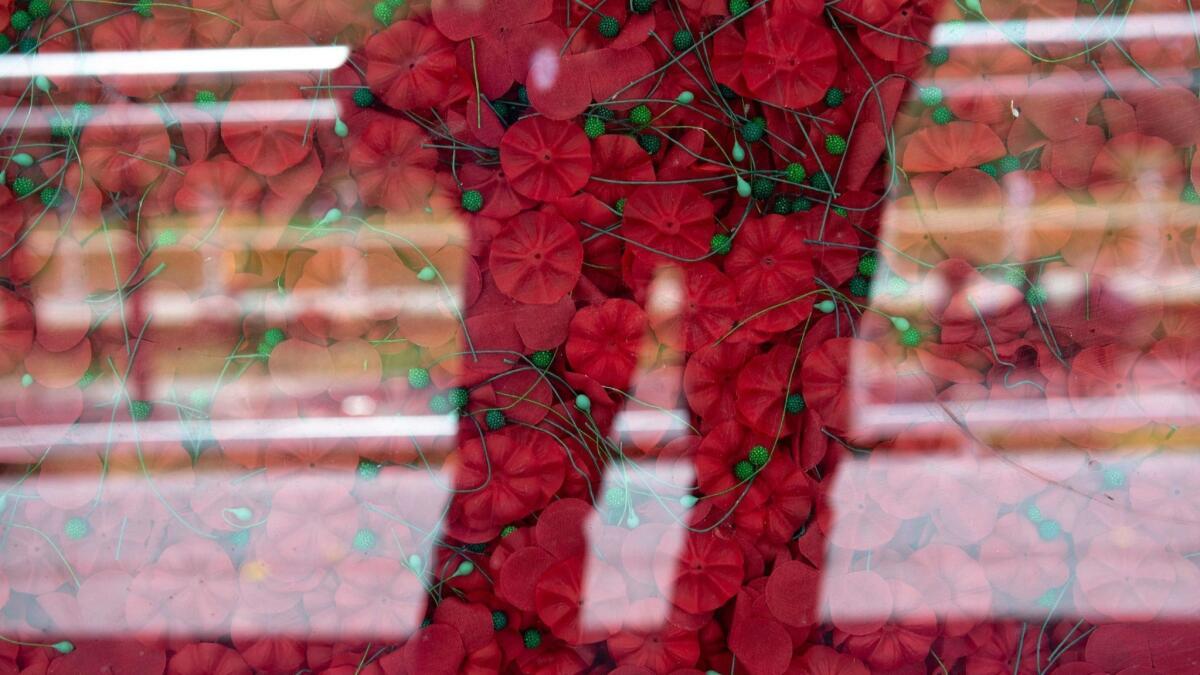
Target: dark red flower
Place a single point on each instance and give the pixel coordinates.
(545, 159)
(702, 576)
(410, 66)
(122, 149)
(391, 165)
(605, 341)
(788, 61)
(672, 219)
(502, 477)
(581, 599)
(536, 259)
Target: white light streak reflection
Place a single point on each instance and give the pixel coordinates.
(172, 61)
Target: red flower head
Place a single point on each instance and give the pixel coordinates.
(701, 577)
(273, 134)
(190, 590)
(1136, 169)
(844, 374)
(907, 627)
(763, 390)
(503, 477)
(497, 39)
(618, 163)
(391, 166)
(537, 259)
(956, 145)
(378, 598)
(772, 267)
(788, 60)
(410, 66)
(672, 219)
(545, 159)
(710, 378)
(124, 148)
(605, 341)
(581, 599)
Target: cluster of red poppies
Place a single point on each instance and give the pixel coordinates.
(527, 336)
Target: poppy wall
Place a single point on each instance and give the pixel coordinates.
(583, 336)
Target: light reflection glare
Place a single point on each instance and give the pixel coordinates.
(171, 61)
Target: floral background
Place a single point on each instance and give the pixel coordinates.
(564, 336)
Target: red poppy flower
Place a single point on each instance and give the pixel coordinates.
(1092, 309)
(763, 388)
(844, 374)
(1126, 576)
(503, 477)
(435, 649)
(273, 136)
(1165, 378)
(956, 145)
(498, 323)
(561, 87)
(790, 63)
(702, 576)
(852, 518)
(710, 379)
(581, 599)
(312, 522)
(536, 259)
(500, 39)
(673, 219)
(378, 598)
(953, 585)
(792, 594)
(998, 648)
(660, 649)
(1164, 492)
(771, 265)
(545, 159)
(219, 187)
(122, 150)
(618, 165)
(984, 239)
(694, 316)
(1137, 169)
(518, 578)
(969, 307)
(391, 166)
(604, 341)
(207, 658)
(900, 37)
(1101, 390)
(410, 66)
(33, 565)
(755, 638)
(190, 590)
(905, 637)
(1019, 562)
